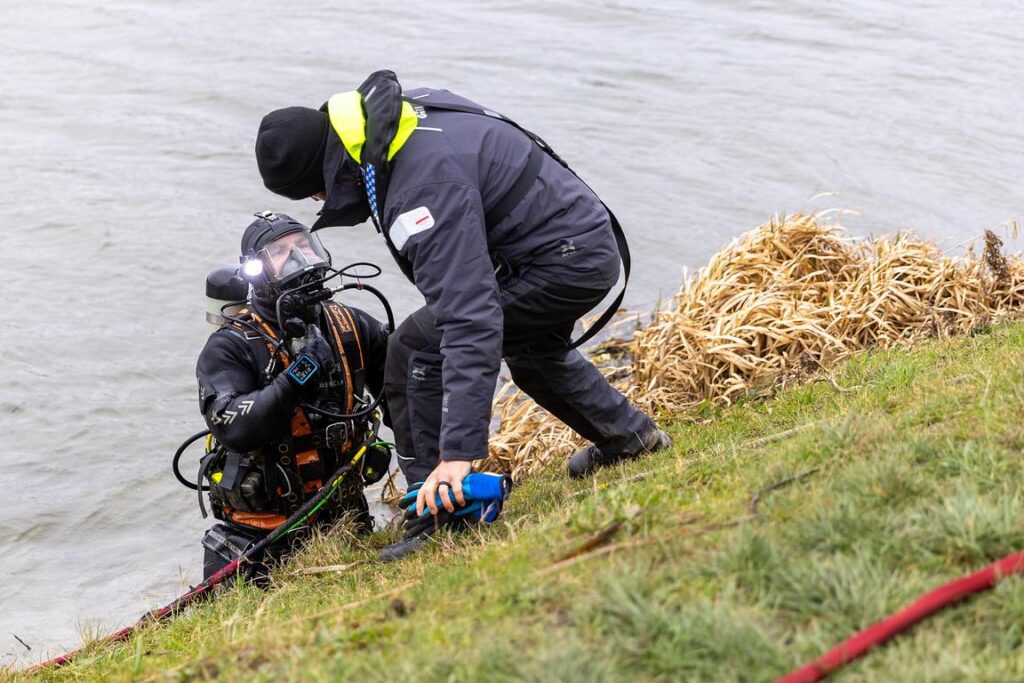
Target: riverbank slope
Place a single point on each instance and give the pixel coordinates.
(903, 472)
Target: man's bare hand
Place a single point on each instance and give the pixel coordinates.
(448, 473)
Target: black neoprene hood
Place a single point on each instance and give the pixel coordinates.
(266, 228)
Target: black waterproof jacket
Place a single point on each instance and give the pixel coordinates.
(243, 412)
(453, 170)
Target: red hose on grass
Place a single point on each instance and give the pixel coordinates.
(205, 589)
(923, 607)
(198, 593)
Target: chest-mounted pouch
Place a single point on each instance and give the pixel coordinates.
(237, 482)
(375, 464)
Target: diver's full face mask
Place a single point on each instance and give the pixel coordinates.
(290, 256)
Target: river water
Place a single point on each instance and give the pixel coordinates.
(126, 135)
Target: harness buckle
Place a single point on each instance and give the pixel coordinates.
(502, 266)
(336, 434)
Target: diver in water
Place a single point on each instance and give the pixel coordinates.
(279, 384)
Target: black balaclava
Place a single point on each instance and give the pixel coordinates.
(290, 148)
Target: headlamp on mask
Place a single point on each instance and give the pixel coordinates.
(252, 268)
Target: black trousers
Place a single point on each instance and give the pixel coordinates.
(539, 315)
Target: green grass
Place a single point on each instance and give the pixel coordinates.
(917, 483)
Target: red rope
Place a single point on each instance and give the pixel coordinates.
(204, 590)
(198, 593)
(923, 607)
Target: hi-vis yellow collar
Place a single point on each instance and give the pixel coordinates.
(345, 111)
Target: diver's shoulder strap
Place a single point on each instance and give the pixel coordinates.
(344, 334)
(523, 184)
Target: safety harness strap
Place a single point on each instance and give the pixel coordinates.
(204, 466)
(523, 184)
(342, 328)
(229, 475)
(520, 187)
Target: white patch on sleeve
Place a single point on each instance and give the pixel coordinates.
(410, 223)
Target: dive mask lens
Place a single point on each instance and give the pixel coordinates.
(292, 254)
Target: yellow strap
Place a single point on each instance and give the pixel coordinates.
(406, 125)
(345, 111)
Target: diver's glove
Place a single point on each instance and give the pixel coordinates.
(313, 360)
(485, 495)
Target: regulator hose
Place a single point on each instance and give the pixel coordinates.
(380, 297)
(177, 457)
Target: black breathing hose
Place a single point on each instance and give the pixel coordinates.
(380, 297)
(391, 328)
(177, 456)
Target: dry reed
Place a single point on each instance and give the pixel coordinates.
(775, 305)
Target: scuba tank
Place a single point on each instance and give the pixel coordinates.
(223, 286)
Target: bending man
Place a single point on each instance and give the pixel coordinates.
(508, 247)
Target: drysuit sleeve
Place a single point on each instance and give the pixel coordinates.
(439, 228)
(375, 347)
(240, 414)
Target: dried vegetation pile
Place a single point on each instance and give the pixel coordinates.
(779, 303)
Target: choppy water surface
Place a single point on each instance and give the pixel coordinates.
(126, 134)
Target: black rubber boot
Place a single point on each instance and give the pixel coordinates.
(413, 541)
(586, 460)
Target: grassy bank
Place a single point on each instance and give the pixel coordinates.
(668, 568)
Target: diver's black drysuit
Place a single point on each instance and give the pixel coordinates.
(496, 287)
(252, 413)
